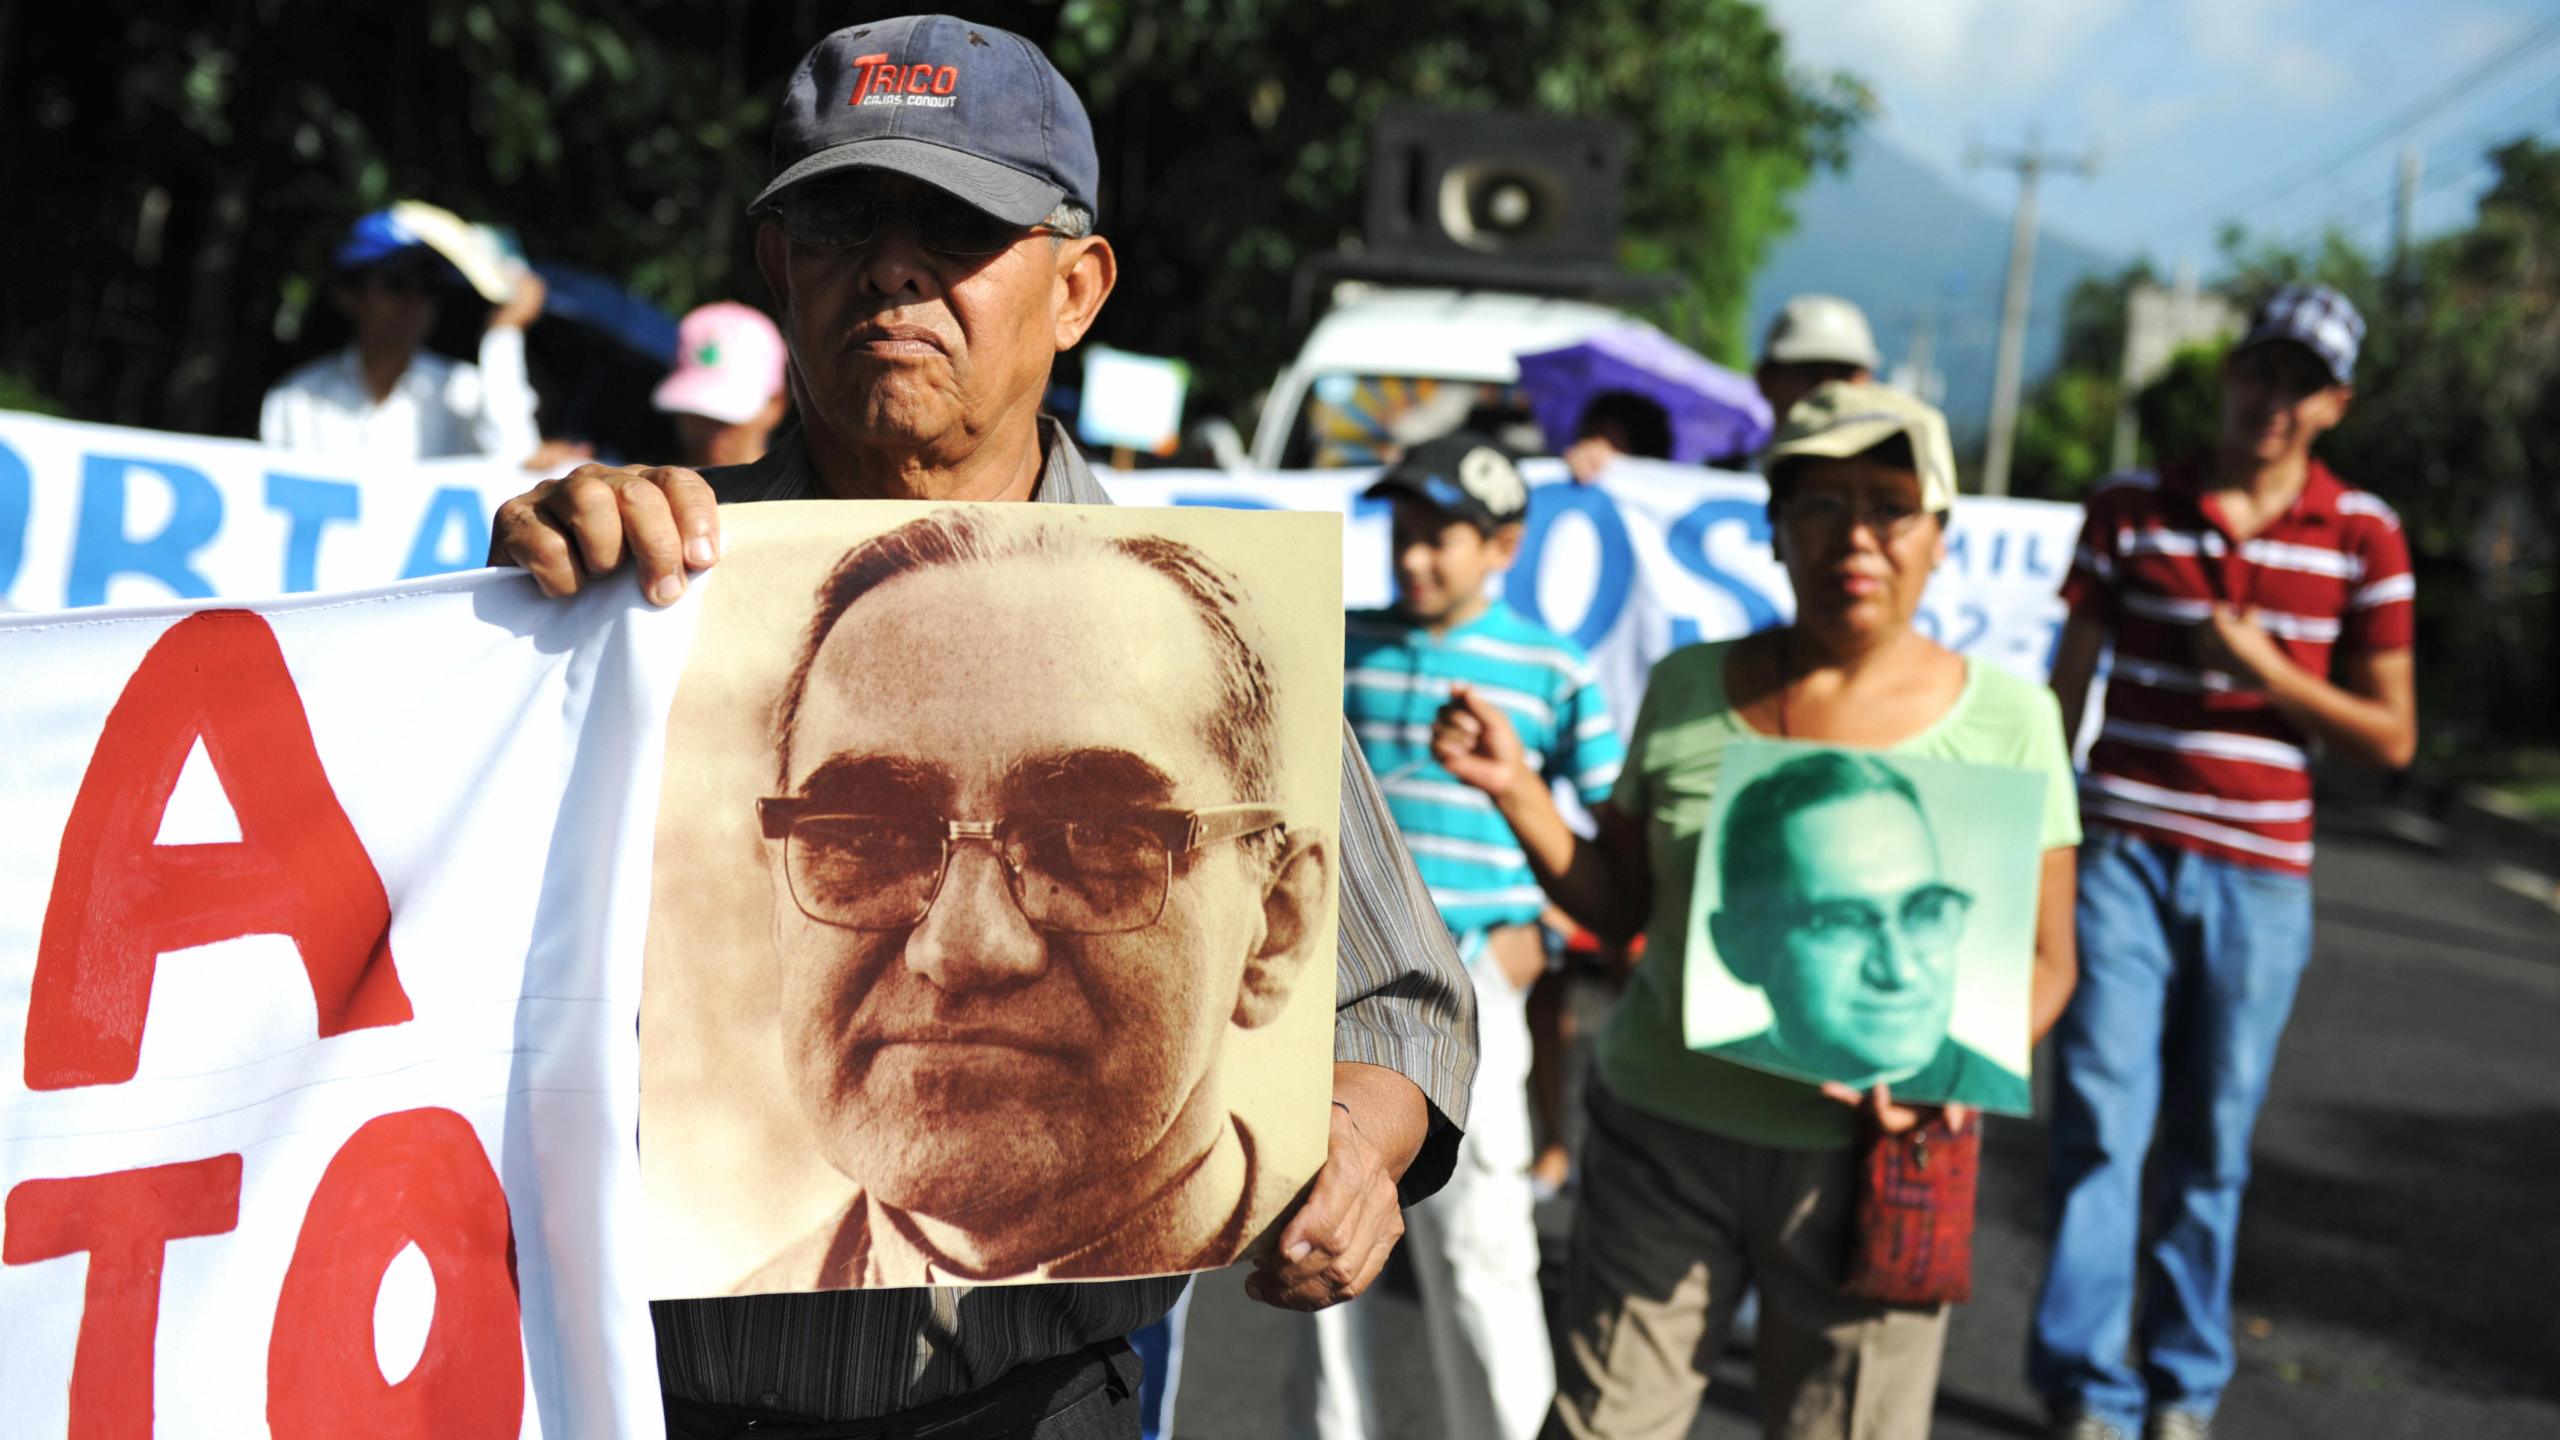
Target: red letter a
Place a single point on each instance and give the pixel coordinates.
(120, 900)
(125, 1222)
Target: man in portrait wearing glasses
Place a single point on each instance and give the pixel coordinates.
(1035, 878)
(929, 241)
(1834, 905)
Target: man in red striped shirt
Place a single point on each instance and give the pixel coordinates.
(2260, 611)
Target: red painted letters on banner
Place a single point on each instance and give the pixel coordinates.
(419, 1177)
(120, 900)
(124, 1222)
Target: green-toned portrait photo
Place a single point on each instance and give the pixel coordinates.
(1868, 918)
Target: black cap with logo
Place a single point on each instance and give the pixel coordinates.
(1465, 475)
(970, 109)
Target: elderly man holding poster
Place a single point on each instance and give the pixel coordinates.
(929, 243)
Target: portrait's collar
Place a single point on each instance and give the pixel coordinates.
(1186, 1225)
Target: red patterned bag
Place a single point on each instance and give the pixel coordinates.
(1911, 1231)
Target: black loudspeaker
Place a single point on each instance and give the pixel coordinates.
(1477, 186)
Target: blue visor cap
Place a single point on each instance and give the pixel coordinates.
(373, 239)
(969, 109)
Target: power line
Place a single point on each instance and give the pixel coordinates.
(2451, 92)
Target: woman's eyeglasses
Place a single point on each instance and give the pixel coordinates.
(1824, 513)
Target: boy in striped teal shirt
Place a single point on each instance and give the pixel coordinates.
(1459, 503)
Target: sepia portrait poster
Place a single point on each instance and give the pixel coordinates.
(1866, 917)
(992, 926)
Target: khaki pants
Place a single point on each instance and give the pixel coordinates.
(1673, 1223)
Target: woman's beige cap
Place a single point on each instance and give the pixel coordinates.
(1842, 418)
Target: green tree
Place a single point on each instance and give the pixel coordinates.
(1234, 138)
(177, 173)
(2065, 439)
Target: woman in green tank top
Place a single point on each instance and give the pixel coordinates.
(1702, 1177)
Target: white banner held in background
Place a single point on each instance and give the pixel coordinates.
(102, 515)
(1652, 557)
(1657, 556)
(319, 931)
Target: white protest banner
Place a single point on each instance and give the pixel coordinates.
(103, 515)
(319, 939)
(1652, 557)
(1656, 556)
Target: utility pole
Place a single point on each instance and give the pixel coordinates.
(2404, 210)
(2031, 164)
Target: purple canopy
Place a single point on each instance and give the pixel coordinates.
(1714, 411)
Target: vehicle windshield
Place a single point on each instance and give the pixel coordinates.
(1350, 420)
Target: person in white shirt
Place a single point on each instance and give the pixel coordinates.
(385, 395)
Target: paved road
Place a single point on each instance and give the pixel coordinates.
(2400, 1260)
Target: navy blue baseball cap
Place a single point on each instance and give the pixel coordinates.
(966, 108)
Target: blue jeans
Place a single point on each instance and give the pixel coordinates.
(2187, 973)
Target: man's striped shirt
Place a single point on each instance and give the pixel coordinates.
(2185, 755)
(1397, 674)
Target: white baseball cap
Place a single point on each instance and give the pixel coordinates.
(729, 365)
(1821, 330)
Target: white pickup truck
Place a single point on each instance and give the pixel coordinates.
(1388, 366)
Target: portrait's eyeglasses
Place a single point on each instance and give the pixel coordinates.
(1090, 875)
(1823, 513)
(841, 216)
(1930, 918)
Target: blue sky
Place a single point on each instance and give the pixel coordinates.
(2202, 110)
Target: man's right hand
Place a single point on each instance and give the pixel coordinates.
(664, 517)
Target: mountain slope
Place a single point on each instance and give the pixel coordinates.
(1909, 247)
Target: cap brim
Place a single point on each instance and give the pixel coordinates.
(696, 392)
(1817, 353)
(1839, 442)
(2254, 339)
(1418, 490)
(1001, 191)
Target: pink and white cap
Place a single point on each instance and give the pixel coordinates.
(729, 364)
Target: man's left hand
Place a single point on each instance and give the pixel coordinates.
(1334, 1247)
(2237, 645)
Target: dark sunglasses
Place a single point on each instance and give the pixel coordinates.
(841, 216)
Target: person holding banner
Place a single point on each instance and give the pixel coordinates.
(1703, 1176)
(386, 396)
(928, 237)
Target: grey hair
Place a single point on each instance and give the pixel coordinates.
(1069, 221)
